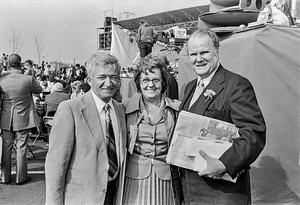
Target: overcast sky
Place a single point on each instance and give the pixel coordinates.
(68, 27)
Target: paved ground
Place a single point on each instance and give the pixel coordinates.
(267, 189)
(33, 192)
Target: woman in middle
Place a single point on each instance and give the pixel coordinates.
(150, 120)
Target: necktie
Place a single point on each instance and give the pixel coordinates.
(197, 93)
(111, 144)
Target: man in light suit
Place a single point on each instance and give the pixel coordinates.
(232, 99)
(79, 161)
(18, 116)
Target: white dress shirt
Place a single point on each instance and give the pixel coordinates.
(203, 82)
(100, 105)
(207, 80)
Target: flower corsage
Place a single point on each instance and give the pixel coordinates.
(209, 94)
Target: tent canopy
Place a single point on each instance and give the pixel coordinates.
(169, 17)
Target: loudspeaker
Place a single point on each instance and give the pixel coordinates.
(232, 5)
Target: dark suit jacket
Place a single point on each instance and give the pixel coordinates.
(235, 102)
(54, 99)
(172, 89)
(18, 109)
(76, 167)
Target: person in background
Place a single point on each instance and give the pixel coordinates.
(150, 119)
(55, 98)
(47, 70)
(51, 81)
(76, 89)
(275, 13)
(145, 38)
(44, 83)
(232, 99)
(85, 161)
(172, 88)
(1, 66)
(28, 66)
(17, 118)
(1, 69)
(85, 87)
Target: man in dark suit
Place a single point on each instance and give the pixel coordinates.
(18, 116)
(86, 156)
(232, 99)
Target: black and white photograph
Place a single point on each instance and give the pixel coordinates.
(93, 94)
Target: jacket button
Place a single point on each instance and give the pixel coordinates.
(104, 191)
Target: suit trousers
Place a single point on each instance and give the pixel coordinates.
(111, 192)
(145, 48)
(21, 138)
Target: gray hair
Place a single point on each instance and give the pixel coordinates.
(101, 58)
(57, 87)
(206, 32)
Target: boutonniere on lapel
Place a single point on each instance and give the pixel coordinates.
(209, 94)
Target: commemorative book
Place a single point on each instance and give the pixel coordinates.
(195, 132)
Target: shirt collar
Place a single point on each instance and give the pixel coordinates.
(208, 79)
(100, 103)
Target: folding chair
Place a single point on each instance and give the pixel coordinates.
(40, 107)
(48, 121)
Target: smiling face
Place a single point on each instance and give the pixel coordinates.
(203, 55)
(105, 81)
(151, 84)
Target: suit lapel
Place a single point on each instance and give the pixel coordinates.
(188, 95)
(216, 84)
(91, 117)
(119, 133)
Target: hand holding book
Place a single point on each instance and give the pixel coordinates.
(214, 168)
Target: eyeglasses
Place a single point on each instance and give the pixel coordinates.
(146, 81)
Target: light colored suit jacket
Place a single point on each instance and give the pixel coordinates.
(77, 165)
(18, 110)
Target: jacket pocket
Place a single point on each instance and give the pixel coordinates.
(138, 167)
(214, 107)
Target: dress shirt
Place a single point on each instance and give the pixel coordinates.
(203, 82)
(100, 108)
(208, 79)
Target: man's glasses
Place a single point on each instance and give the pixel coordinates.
(146, 81)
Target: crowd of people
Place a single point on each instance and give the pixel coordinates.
(108, 151)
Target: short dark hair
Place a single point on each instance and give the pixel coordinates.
(147, 65)
(30, 62)
(14, 61)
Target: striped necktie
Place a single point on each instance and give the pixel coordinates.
(111, 144)
(199, 89)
